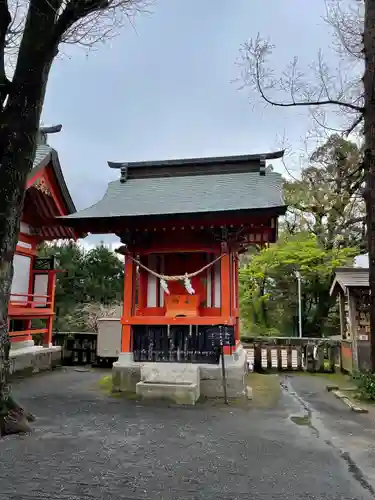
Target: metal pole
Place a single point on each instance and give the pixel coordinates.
(299, 305)
(224, 378)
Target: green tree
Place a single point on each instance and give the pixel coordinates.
(31, 33)
(269, 287)
(87, 278)
(327, 199)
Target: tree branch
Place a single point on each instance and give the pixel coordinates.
(293, 103)
(5, 20)
(74, 11)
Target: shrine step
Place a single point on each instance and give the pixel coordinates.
(177, 383)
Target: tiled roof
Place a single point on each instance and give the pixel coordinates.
(188, 194)
(42, 157)
(44, 154)
(350, 277)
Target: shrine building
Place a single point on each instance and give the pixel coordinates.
(183, 225)
(31, 305)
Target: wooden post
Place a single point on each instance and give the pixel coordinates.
(51, 287)
(128, 303)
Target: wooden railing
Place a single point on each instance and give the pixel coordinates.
(292, 354)
(19, 336)
(32, 300)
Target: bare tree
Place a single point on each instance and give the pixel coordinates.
(318, 87)
(31, 33)
(349, 94)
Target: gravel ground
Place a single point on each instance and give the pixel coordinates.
(87, 445)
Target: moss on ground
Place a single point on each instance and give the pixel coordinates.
(105, 384)
(266, 389)
(337, 378)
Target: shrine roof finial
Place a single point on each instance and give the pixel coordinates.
(44, 130)
(123, 167)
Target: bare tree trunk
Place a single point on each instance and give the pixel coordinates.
(369, 157)
(19, 124)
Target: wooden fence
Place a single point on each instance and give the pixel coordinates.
(263, 353)
(78, 348)
(292, 354)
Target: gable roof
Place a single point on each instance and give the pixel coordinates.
(349, 277)
(183, 187)
(45, 155)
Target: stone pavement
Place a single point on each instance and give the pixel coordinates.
(87, 445)
(351, 433)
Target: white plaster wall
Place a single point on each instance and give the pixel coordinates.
(161, 291)
(40, 288)
(152, 282)
(25, 228)
(217, 291)
(21, 277)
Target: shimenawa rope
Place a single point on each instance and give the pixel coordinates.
(182, 277)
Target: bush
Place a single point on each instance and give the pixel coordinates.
(365, 382)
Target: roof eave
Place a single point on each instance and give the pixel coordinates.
(74, 221)
(333, 291)
(60, 177)
(204, 161)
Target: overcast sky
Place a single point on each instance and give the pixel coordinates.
(165, 89)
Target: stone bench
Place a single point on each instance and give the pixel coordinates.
(177, 383)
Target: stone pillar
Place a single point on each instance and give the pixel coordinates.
(126, 374)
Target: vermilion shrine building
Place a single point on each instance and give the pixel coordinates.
(183, 224)
(31, 306)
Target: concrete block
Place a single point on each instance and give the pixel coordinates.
(181, 393)
(31, 359)
(171, 373)
(236, 369)
(174, 382)
(125, 377)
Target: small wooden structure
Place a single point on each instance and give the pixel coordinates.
(33, 285)
(351, 287)
(183, 224)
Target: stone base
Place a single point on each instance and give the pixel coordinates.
(174, 382)
(178, 393)
(235, 368)
(33, 359)
(126, 374)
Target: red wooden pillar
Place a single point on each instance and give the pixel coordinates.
(128, 303)
(236, 296)
(225, 277)
(51, 288)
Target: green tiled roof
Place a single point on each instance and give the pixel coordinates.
(188, 194)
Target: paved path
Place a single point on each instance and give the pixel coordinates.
(89, 446)
(351, 433)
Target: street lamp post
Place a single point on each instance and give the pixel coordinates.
(298, 276)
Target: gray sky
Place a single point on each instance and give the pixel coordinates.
(165, 89)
